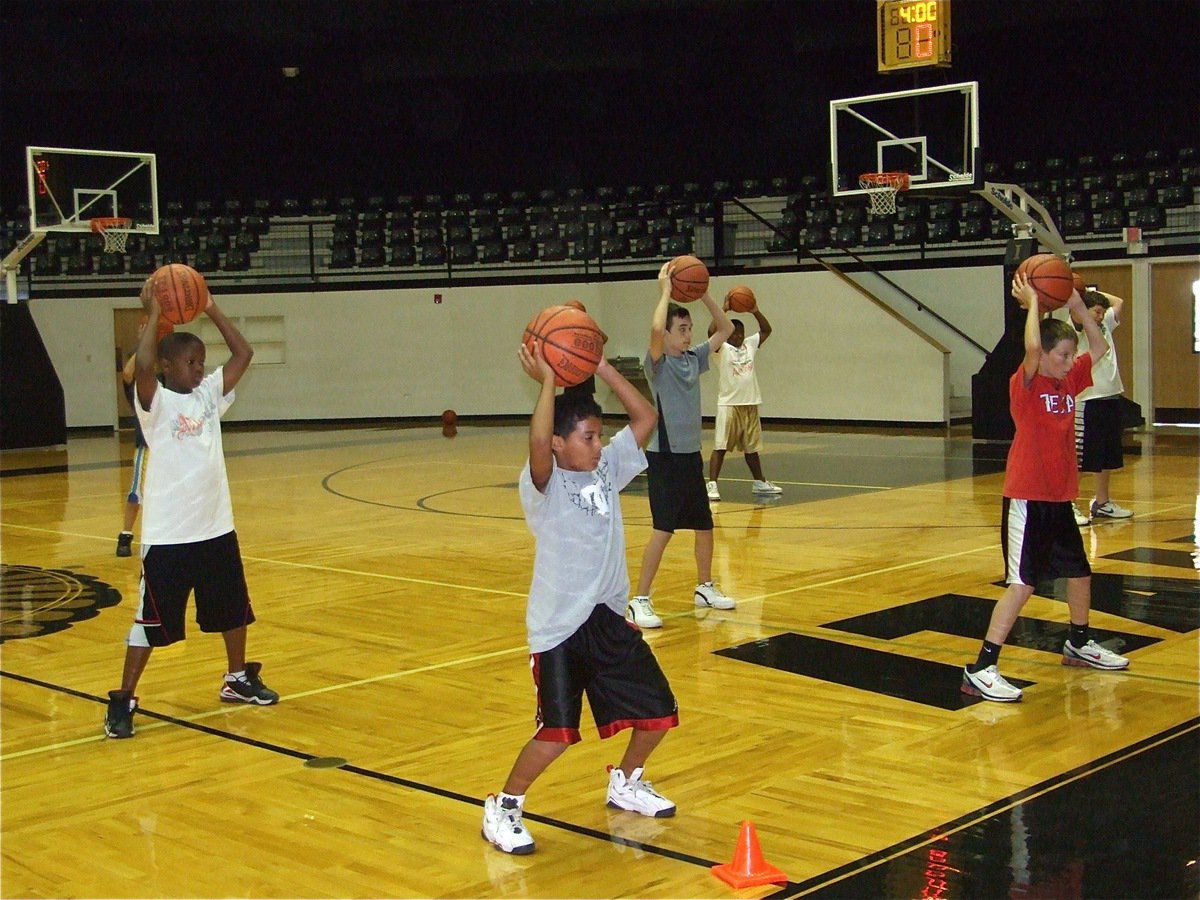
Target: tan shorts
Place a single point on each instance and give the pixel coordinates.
(738, 428)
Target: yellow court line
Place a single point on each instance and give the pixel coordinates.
(481, 657)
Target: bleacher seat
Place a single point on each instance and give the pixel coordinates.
(404, 255)
(320, 206)
(1149, 217)
(573, 231)
(48, 265)
(112, 264)
(847, 235)
(942, 231)
(494, 251)
(814, 237)
(554, 250)
(1077, 221)
(458, 234)
(491, 199)
(781, 243)
(880, 233)
(780, 185)
(248, 241)
(1175, 196)
(206, 259)
(463, 253)
(973, 228)
(632, 228)
(175, 255)
(545, 231)
(678, 244)
(910, 232)
(429, 234)
(432, 253)
(485, 233)
(586, 248)
(644, 247)
(290, 207)
(1105, 200)
(523, 250)
(1111, 220)
(217, 240)
(517, 232)
(852, 215)
(237, 260)
(142, 263)
(615, 247)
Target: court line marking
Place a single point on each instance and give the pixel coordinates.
(989, 811)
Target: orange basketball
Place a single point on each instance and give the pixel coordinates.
(571, 342)
(741, 299)
(1080, 284)
(181, 292)
(689, 279)
(1051, 277)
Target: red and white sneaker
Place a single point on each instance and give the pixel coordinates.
(990, 685)
(1092, 654)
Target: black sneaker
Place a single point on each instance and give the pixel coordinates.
(118, 721)
(249, 688)
(125, 544)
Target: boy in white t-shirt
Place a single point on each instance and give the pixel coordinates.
(579, 640)
(188, 540)
(738, 426)
(1098, 424)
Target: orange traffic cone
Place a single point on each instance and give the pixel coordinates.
(748, 867)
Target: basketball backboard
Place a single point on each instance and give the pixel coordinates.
(931, 134)
(68, 188)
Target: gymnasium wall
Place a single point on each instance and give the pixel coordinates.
(834, 354)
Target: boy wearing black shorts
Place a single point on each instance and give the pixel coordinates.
(1038, 532)
(675, 477)
(579, 641)
(188, 540)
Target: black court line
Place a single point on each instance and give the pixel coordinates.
(1057, 782)
(378, 776)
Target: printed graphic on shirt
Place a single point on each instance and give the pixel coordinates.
(591, 498)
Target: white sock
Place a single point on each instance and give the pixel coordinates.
(235, 676)
(519, 798)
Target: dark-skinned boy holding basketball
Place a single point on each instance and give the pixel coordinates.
(188, 541)
(678, 496)
(579, 641)
(1038, 532)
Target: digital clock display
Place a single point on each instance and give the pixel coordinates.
(913, 33)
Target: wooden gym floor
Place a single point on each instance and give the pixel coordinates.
(389, 568)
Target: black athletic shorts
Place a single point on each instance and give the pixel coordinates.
(1041, 541)
(170, 572)
(1098, 436)
(678, 498)
(609, 660)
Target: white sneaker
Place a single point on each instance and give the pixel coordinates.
(1092, 654)
(990, 685)
(641, 613)
(636, 795)
(708, 594)
(503, 827)
(1110, 510)
(1080, 519)
(765, 487)
(713, 492)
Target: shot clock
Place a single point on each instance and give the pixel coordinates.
(912, 33)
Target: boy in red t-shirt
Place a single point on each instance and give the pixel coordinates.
(1038, 532)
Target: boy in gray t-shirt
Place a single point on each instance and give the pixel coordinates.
(678, 496)
(579, 641)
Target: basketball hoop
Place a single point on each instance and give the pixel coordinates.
(115, 231)
(881, 188)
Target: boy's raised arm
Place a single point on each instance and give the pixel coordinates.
(541, 424)
(1025, 295)
(658, 321)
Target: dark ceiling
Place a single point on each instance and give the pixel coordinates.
(416, 95)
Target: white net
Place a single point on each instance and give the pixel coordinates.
(882, 188)
(115, 232)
